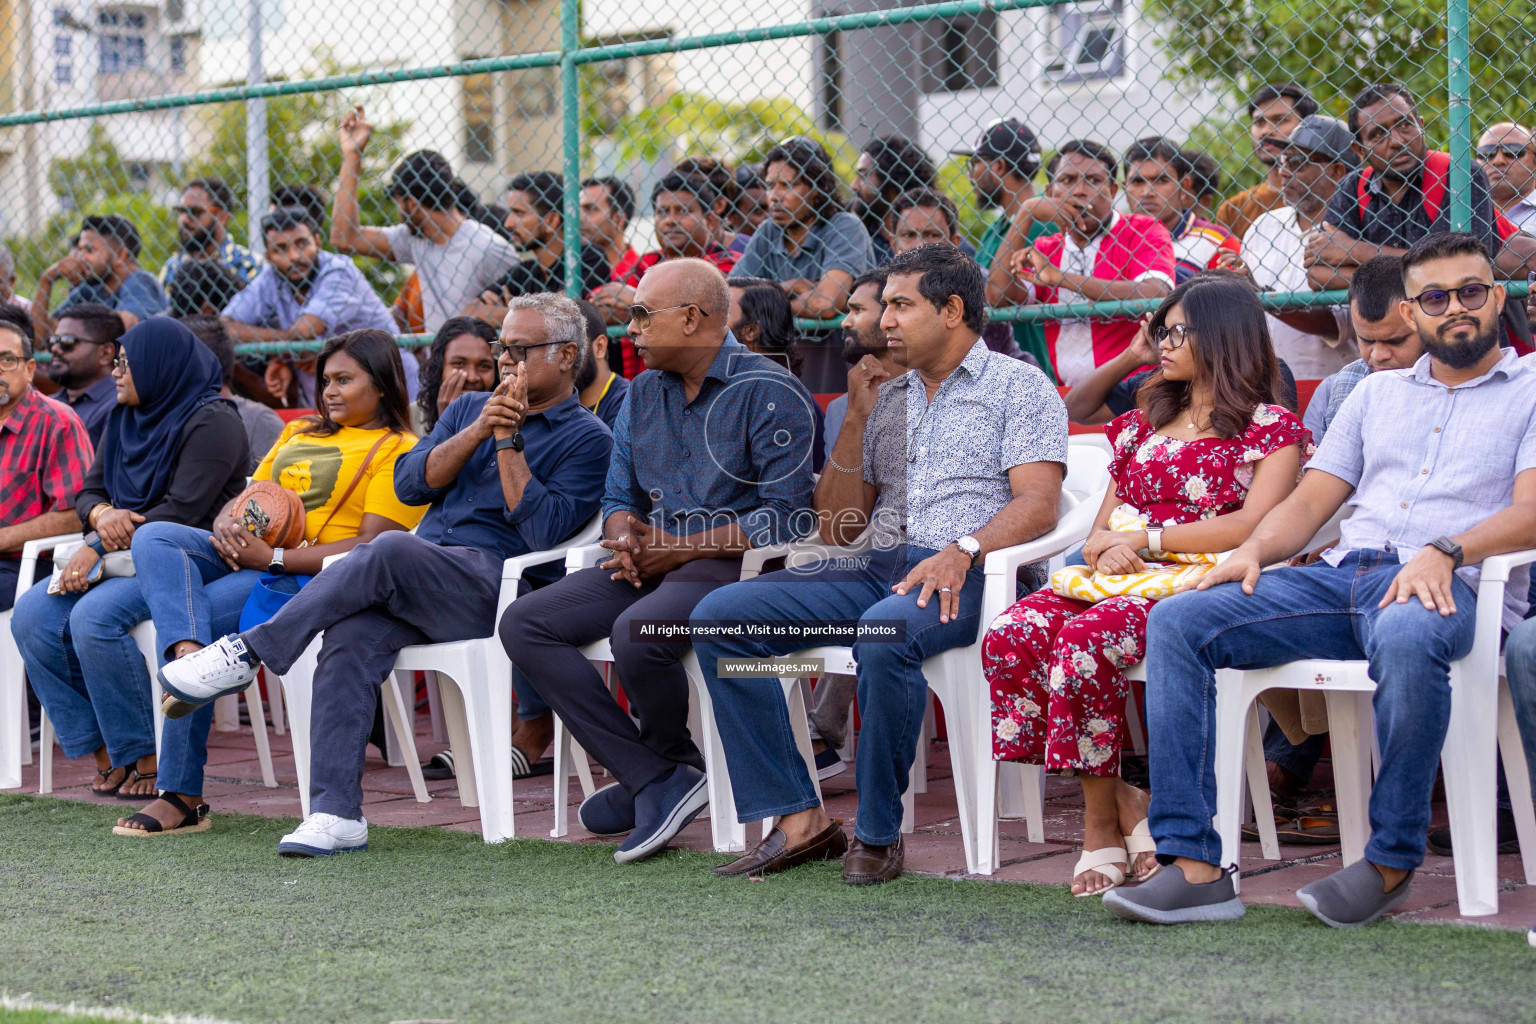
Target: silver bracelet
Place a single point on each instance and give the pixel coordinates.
(842, 469)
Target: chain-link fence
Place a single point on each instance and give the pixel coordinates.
(112, 108)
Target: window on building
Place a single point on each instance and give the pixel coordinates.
(1087, 41)
(61, 16)
(63, 46)
(121, 41)
(960, 53)
(63, 72)
(534, 92)
(829, 66)
(178, 55)
(479, 118)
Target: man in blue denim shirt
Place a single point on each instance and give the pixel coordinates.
(961, 455)
(507, 473)
(712, 457)
(1437, 462)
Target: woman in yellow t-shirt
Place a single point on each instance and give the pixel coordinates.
(341, 462)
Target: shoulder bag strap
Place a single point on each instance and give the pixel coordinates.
(356, 479)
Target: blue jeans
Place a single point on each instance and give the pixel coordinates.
(85, 668)
(192, 595)
(1314, 611)
(1520, 666)
(768, 775)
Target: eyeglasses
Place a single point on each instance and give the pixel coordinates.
(189, 211)
(640, 317)
(10, 361)
(518, 352)
(66, 343)
(1296, 160)
(1509, 149)
(120, 363)
(1435, 301)
(1175, 335)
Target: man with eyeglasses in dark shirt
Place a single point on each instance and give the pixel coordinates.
(81, 350)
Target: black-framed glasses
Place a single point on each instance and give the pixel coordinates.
(1434, 301)
(120, 363)
(1175, 335)
(641, 317)
(1510, 149)
(518, 352)
(65, 343)
(10, 361)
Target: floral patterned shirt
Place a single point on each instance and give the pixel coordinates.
(1174, 481)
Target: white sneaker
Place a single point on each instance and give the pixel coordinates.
(321, 835)
(223, 667)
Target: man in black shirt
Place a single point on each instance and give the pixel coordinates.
(537, 224)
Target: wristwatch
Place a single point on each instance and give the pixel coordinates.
(1449, 547)
(275, 567)
(1154, 540)
(515, 442)
(970, 547)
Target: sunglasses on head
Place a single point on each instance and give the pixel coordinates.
(1435, 301)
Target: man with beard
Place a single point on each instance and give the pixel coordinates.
(1274, 112)
(536, 219)
(455, 255)
(1439, 464)
(597, 385)
(202, 228)
(102, 267)
(304, 293)
(44, 453)
(82, 349)
(1095, 254)
(888, 167)
(1398, 197)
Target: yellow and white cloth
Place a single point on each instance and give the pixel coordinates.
(1159, 580)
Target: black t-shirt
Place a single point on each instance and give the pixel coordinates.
(529, 276)
(1403, 223)
(1122, 397)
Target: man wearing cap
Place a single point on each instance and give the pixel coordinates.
(456, 257)
(1003, 165)
(1506, 154)
(1318, 155)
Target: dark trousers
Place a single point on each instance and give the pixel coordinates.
(544, 631)
(395, 591)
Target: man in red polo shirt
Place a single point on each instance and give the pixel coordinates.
(1098, 255)
(687, 227)
(44, 453)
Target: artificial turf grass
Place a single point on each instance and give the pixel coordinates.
(434, 924)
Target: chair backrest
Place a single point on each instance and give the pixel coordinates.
(1087, 467)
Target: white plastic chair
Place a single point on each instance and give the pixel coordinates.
(1467, 758)
(16, 733)
(477, 708)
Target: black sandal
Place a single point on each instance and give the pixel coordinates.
(193, 820)
(136, 776)
(105, 775)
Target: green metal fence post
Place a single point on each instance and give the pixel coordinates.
(570, 131)
(1459, 89)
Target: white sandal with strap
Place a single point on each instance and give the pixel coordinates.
(1109, 862)
(1138, 842)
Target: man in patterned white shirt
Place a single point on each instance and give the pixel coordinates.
(961, 455)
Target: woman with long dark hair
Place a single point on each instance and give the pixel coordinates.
(1196, 466)
(459, 360)
(173, 451)
(196, 584)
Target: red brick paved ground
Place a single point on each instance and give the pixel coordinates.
(234, 784)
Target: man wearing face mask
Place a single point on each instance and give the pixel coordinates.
(202, 228)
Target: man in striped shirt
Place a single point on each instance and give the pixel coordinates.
(1159, 182)
(44, 453)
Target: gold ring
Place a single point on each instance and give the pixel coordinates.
(74, 572)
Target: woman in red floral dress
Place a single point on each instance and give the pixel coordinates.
(1206, 454)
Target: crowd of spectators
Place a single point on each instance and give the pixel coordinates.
(694, 435)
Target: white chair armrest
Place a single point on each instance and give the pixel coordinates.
(584, 557)
(31, 551)
(1002, 566)
(806, 550)
(513, 568)
(1496, 568)
(330, 560)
